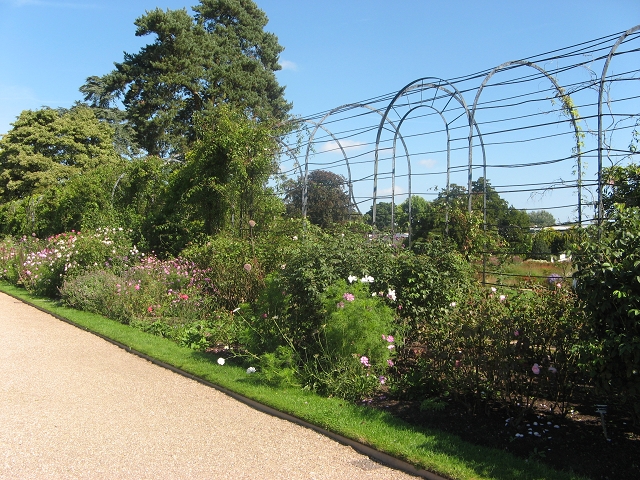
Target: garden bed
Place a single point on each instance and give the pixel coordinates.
(577, 443)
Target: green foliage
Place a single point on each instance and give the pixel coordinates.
(279, 368)
(428, 281)
(355, 320)
(223, 182)
(355, 341)
(234, 272)
(328, 200)
(58, 168)
(623, 186)
(608, 282)
(541, 218)
(512, 347)
(219, 56)
(47, 147)
(139, 194)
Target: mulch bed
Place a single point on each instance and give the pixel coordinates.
(575, 442)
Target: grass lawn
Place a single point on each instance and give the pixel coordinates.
(425, 449)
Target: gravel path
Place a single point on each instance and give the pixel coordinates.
(75, 406)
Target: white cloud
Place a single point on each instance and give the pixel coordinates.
(386, 192)
(287, 65)
(333, 146)
(429, 163)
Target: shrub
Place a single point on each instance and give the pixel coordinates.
(608, 282)
(512, 347)
(355, 343)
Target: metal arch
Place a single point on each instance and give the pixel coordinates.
(291, 154)
(318, 125)
(600, 132)
(346, 161)
(446, 124)
(561, 93)
(412, 86)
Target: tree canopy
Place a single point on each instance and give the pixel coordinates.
(541, 218)
(327, 199)
(220, 55)
(47, 147)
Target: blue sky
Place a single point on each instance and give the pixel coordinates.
(336, 52)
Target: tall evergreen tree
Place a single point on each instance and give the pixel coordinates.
(220, 55)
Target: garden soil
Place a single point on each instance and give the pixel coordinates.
(75, 406)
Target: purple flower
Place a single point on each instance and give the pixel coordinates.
(382, 379)
(535, 369)
(554, 279)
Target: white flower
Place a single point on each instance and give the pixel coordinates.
(221, 361)
(367, 279)
(251, 370)
(295, 237)
(452, 304)
(392, 295)
(352, 278)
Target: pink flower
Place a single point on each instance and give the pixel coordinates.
(348, 297)
(390, 339)
(150, 309)
(382, 380)
(389, 362)
(137, 287)
(364, 361)
(247, 267)
(535, 369)
(184, 296)
(516, 333)
(502, 298)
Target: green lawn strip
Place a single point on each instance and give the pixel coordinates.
(432, 450)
